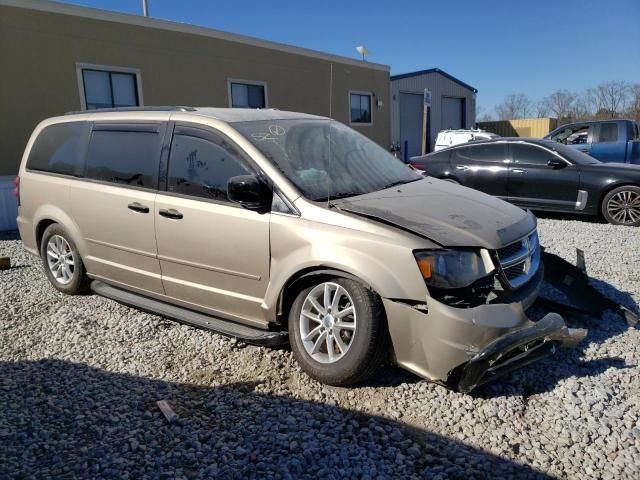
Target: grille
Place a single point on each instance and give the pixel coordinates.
(520, 260)
(513, 252)
(515, 271)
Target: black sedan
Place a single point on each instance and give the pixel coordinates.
(541, 175)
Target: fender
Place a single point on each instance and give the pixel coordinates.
(388, 268)
(57, 215)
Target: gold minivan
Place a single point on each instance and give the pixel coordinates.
(278, 227)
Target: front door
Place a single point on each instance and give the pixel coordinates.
(214, 254)
(113, 207)
(484, 167)
(533, 183)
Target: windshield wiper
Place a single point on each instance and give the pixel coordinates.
(337, 196)
(400, 182)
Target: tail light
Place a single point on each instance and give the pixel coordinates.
(16, 188)
(417, 166)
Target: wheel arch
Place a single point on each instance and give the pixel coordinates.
(40, 228)
(305, 278)
(49, 215)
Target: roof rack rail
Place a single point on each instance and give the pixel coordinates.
(135, 109)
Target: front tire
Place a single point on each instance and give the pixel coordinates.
(62, 263)
(338, 331)
(621, 206)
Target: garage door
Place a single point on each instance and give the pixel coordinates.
(452, 113)
(411, 124)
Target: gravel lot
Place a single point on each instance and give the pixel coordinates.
(80, 377)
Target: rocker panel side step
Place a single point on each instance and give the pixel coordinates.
(254, 336)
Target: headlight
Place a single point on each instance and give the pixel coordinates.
(453, 268)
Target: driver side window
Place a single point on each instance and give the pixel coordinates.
(201, 163)
(530, 155)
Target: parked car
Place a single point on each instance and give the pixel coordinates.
(541, 175)
(607, 140)
(275, 226)
(448, 138)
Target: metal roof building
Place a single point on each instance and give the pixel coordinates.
(453, 106)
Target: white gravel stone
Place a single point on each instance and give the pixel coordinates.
(80, 378)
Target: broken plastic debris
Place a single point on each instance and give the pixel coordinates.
(166, 410)
(573, 281)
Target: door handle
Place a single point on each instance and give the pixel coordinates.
(585, 150)
(138, 207)
(462, 167)
(517, 170)
(170, 213)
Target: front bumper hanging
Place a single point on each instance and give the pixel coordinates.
(514, 350)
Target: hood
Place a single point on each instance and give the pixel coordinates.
(446, 213)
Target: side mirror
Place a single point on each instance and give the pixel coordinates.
(556, 163)
(249, 191)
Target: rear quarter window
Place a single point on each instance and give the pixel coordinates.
(59, 148)
(491, 152)
(608, 132)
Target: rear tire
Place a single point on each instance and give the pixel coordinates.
(61, 260)
(621, 206)
(343, 349)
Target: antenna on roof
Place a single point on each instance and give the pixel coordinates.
(145, 8)
(361, 49)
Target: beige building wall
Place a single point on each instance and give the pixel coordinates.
(525, 127)
(41, 46)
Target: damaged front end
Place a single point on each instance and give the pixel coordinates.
(466, 347)
(465, 337)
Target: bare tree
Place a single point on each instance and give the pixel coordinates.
(583, 108)
(542, 108)
(560, 104)
(485, 117)
(514, 106)
(634, 104)
(611, 98)
(482, 115)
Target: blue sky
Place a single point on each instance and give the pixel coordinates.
(498, 46)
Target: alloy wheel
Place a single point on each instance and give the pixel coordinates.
(624, 207)
(60, 259)
(327, 322)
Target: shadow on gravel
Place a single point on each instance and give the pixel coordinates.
(66, 420)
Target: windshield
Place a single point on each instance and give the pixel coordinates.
(326, 159)
(571, 154)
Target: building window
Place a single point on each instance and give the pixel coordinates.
(247, 94)
(106, 87)
(360, 107)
